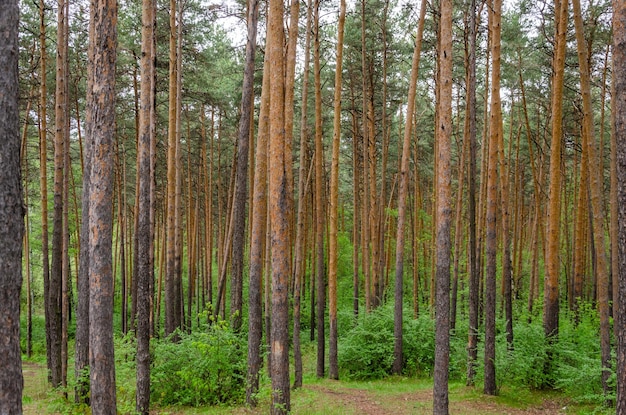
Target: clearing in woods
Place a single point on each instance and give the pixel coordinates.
(396, 396)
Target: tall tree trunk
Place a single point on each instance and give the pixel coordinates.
(100, 128)
(207, 166)
(365, 215)
(613, 207)
(43, 180)
(178, 199)
(81, 353)
(507, 266)
(320, 210)
(443, 213)
(299, 263)
(537, 179)
(495, 139)
(402, 194)
(257, 242)
(145, 233)
(472, 337)
(551, 279)
(172, 304)
(278, 216)
(65, 233)
(56, 270)
(26, 241)
(12, 223)
(290, 75)
(580, 233)
(596, 188)
(619, 131)
(241, 182)
(334, 202)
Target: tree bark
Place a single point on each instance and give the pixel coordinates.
(100, 128)
(472, 337)
(81, 357)
(299, 263)
(551, 279)
(402, 194)
(320, 277)
(172, 302)
(596, 187)
(619, 131)
(241, 181)
(279, 222)
(334, 202)
(257, 242)
(145, 233)
(12, 218)
(43, 180)
(56, 270)
(495, 140)
(443, 213)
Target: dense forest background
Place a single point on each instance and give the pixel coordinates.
(523, 194)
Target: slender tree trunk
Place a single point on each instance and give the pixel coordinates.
(178, 198)
(551, 279)
(26, 242)
(580, 233)
(172, 305)
(536, 179)
(402, 194)
(43, 182)
(100, 128)
(81, 353)
(458, 225)
(65, 233)
(472, 338)
(320, 279)
(619, 132)
(257, 243)
(290, 75)
(145, 233)
(56, 270)
(299, 265)
(495, 140)
(356, 200)
(207, 167)
(334, 202)
(443, 213)
(241, 183)
(279, 216)
(596, 187)
(507, 266)
(365, 215)
(12, 223)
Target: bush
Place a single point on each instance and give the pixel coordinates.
(524, 365)
(366, 351)
(203, 368)
(418, 344)
(578, 370)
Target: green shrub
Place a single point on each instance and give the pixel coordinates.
(578, 371)
(203, 368)
(418, 344)
(524, 364)
(366, 351)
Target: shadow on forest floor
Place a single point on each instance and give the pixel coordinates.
(392, 396)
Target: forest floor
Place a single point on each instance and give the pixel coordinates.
(392, 396)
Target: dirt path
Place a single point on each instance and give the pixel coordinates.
(336, 398)
(35, 388)
(359, 401)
